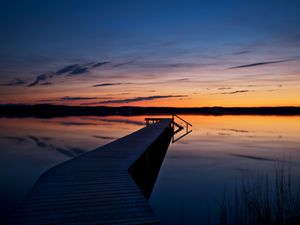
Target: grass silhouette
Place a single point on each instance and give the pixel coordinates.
(263, 199)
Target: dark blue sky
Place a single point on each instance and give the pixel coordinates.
(50, 27)
(150, 37)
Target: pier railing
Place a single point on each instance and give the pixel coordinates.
(187, 123)
(180, 127)
(177, 127)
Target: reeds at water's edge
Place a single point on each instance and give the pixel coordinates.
(263, 200)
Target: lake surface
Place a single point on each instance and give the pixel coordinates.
(195, 172)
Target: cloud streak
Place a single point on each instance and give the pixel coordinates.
(15, 82)
(123, 64)
(106, 84)
(38, 79)
(79, 70)
(99, 64)
(234, 92)
(76, 98)
(68, 98)
(241, 52)
(139, 99)
(69, 70)
(257, 64)
(224, 88)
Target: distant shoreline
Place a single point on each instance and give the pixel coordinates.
(48, 111)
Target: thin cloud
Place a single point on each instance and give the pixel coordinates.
(234, 92)
(38, 79)
(15, 82)
(46, 83)
(123, 64)
(178, 65)
(161, 65)
(183, 79)
(224, 88)
(67, 69)
(68, 98)
(79, 70)
(241, 52)
(139, 99)
(74, 69)
(100, 64)
(70, 70)
(258, 64)
(106, 84)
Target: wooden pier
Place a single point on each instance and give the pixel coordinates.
(97, 187)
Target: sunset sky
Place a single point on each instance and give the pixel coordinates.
(150, 53)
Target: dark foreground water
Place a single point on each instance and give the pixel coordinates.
(196, 170)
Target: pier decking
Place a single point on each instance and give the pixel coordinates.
(94, 188)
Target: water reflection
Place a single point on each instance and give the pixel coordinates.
(198, 168)
(30, 146)
(195, 171)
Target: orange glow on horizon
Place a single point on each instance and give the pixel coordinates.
(166, 92)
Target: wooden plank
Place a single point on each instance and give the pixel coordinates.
(71, 195)
(95, 187)
(76, 208)
(112, 200)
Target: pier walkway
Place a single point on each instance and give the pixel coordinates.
(95, 187)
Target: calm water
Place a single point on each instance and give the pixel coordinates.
(195, 172)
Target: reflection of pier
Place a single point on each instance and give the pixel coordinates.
(109, 185)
